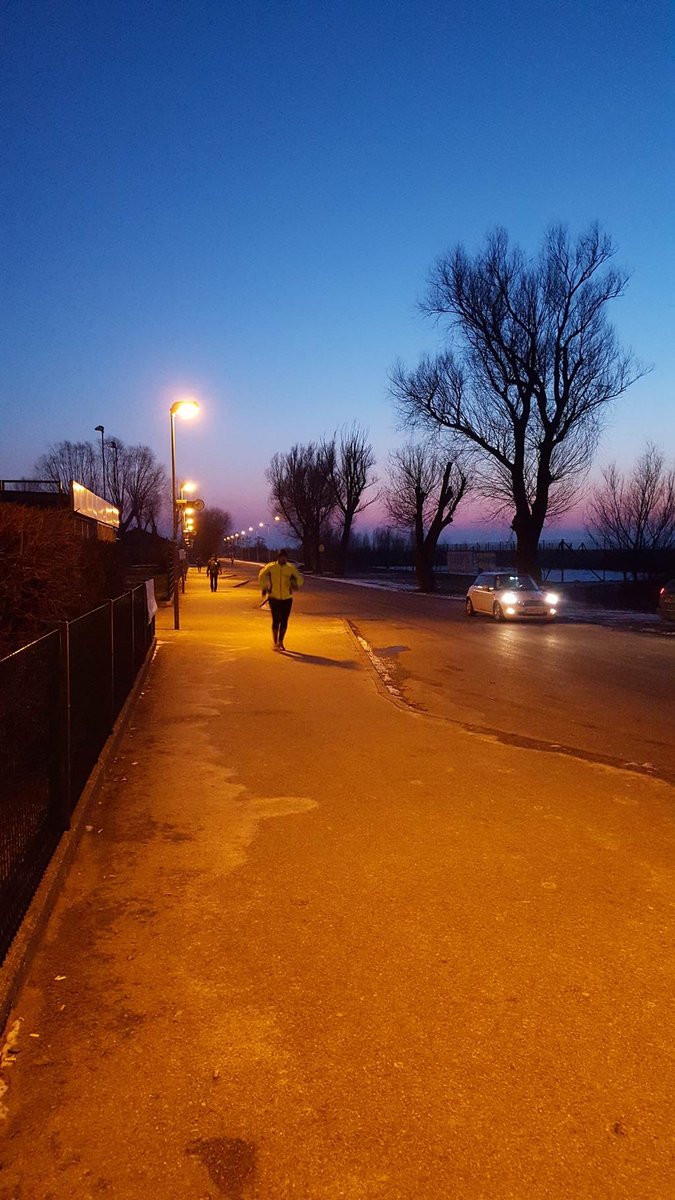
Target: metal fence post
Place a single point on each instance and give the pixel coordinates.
(111, 609)
(133, 633)
(65, 763)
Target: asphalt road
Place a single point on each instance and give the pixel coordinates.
(594, 691)
(316, 944)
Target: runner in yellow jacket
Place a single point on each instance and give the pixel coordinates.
(278, 580)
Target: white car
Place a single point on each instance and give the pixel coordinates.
(508, 596)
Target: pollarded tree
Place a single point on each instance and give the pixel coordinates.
(425, 487)
(635, 512)
(531, 368)
(350, 460)
(301, 493)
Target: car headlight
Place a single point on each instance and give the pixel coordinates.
(509, 598)
(551, 598)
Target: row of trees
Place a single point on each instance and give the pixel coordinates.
(324, 485)
(319, 488)
(515, 403)
(130, 477)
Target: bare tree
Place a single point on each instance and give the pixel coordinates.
(146, 484)
(635, 512)
(350, 460)
(135, 481)
(424, 490)
(302, 495)
(531, 368)
(67, 461)
(116, 479)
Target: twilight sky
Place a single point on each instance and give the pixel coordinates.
(242, 201)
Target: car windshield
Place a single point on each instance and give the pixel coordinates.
(516, 583)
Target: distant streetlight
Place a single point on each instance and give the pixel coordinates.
(187, 409)
(100, 429)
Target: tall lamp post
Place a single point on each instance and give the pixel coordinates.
(100, 429)
(187, 409)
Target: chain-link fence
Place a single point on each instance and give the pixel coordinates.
(59, 698)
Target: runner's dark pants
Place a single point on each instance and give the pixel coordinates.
(281, 611)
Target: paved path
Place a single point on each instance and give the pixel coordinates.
(317, 946)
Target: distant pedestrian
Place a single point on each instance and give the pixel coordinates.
(279, 580)
(213, 568)
(200, 564)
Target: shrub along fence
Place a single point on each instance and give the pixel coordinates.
(59, 699)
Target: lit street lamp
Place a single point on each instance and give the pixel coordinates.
(187, 409)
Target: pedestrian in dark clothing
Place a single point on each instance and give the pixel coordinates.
(213, 568)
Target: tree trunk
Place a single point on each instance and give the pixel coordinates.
(341, 561)
(307, 552)
(424, 569)
(527, 531)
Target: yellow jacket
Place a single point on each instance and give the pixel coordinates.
(280, 581)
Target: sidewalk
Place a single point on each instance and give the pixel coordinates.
(315, 946)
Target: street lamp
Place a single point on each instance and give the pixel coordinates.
(187, 409)
(100, 429)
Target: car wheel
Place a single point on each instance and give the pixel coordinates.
(497, 611)
(470, 610)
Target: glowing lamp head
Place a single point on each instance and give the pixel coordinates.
(187, 409)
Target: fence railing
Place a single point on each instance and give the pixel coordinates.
(59, 699)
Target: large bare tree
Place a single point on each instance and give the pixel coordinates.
(635, 511)
(531, 367)
(302, 494)
(350, 460)
(425, 487)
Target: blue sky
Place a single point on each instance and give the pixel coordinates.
(243, 201)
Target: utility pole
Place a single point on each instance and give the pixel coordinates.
(100, 429)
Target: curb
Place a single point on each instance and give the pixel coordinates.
(29, 935)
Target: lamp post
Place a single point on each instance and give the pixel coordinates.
(100, 429)
(185, 409)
